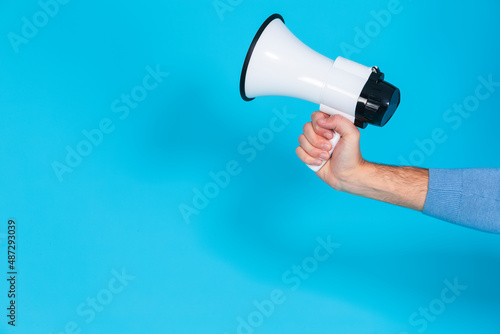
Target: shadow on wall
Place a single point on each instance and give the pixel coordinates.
(262, 231)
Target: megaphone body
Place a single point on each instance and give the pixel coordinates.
(279, 64)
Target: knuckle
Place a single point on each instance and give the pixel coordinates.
(306, 126)
(310, 160)
(317, 153)
(315, 141)
(315, 115)
(298, 151)
(337, 118)
(301, 138)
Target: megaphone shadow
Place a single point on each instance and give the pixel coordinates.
(184, 139)
(257, 234)
(260, 225)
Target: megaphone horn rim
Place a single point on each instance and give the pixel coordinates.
(250, 52)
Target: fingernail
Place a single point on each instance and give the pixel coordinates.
(324, 156)
(328, 135)
(326, 147)
(317, 162)
(321, 121)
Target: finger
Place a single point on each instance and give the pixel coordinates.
(315, 117)
(314, 152)
(306, 158)
(345, 128)
(316, 139)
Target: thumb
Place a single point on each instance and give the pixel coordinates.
(344, 127)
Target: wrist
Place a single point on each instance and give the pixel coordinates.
(357, 180)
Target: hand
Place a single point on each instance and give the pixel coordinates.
(346, 160)
(347, 171)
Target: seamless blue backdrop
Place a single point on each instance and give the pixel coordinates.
(114, 117)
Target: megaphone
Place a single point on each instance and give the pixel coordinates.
(278, 63)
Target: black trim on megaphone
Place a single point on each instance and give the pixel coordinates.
(250, 51)
(378, 100)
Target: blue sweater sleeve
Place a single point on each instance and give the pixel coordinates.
(467, 197)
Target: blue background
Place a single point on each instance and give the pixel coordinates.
(119, 208)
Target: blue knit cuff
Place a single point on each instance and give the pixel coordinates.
(444, 194)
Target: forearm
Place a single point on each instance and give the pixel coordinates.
(469, 197)
(403, 186)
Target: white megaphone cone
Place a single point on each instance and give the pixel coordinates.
(279, 64)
